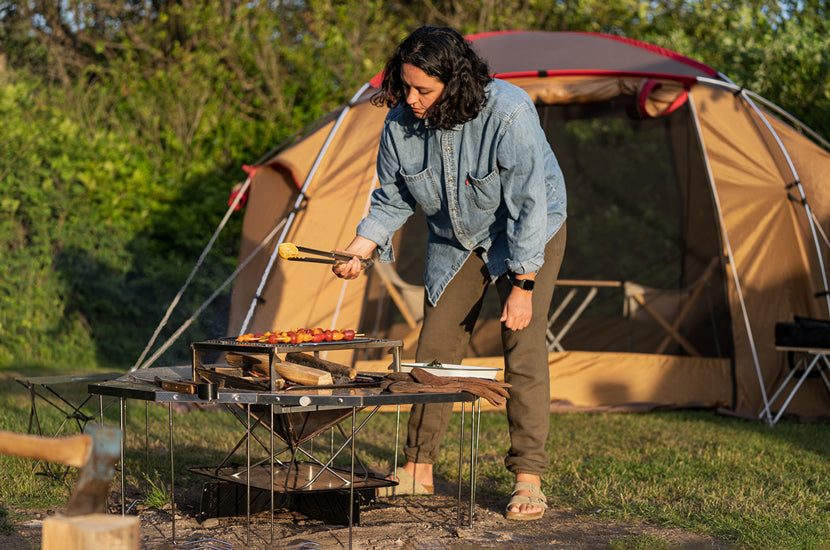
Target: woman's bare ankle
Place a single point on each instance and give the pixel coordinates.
(420, 471)
(529, 478)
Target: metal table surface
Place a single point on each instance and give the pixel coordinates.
(140, 386)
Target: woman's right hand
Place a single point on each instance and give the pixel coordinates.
(360, 247)
(348, 270)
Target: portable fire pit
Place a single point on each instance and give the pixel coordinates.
(313, 487)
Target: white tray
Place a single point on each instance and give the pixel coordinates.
(447, 369)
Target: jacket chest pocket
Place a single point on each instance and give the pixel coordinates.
(424, 190)
(484, 193)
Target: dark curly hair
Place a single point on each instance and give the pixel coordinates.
(444, 54)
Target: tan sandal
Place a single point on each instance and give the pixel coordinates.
(536, 498)
(407, 485)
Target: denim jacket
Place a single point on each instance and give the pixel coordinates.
(491, 184)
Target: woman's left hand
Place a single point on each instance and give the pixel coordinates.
(518, 309)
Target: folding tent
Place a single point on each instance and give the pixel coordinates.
(670, 168)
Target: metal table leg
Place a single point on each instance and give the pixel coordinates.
(351, 479)
(172, 472)
(475, 426)
(123, 425)
(460, 465)
(272, 475)
(147, 438)
(248, 477)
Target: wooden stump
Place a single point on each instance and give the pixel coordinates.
(90, 532)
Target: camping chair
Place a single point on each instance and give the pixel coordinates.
(806, 343)
(589, 290)
(408, 298)
(641, 302)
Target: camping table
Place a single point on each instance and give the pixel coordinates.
(285, 402)
(53, 390)
(813, 357)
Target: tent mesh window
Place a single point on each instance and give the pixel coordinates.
(639, 210)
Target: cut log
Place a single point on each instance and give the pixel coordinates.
(300, 374)
(244, 361)
(110, 531)
(316, 363)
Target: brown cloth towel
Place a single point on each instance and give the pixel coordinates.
(421, 381)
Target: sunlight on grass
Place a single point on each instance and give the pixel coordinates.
(157, 493)
(738, 480)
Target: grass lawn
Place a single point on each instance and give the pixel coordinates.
(758, 487)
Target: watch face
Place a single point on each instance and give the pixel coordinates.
(523, 284)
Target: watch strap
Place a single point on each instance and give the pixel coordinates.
(524, 284)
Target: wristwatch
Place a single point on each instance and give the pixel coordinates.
(524, 284)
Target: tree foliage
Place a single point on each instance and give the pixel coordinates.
(125, 123)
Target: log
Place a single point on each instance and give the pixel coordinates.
(300, 374)
(244, 361)
(315, 362)
(303, 367)
(113, 532)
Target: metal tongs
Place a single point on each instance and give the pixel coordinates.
(290, 251)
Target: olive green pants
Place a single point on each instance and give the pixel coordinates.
(444, 337)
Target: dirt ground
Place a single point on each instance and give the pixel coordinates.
(410, 523)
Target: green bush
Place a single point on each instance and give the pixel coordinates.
(95, 237)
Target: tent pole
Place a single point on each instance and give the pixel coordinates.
(730, 258)
(231, 208)
(752, 100)
(212, 297)
(770, 105)
(804, 202)
(298, 202)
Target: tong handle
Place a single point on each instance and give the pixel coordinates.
(335, 256)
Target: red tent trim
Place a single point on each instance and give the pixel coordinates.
(658, 50)
(688, 80)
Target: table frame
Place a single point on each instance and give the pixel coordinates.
(285, 402)
(815, 357)
(47, 389)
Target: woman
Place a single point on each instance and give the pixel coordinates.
(470, 152)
